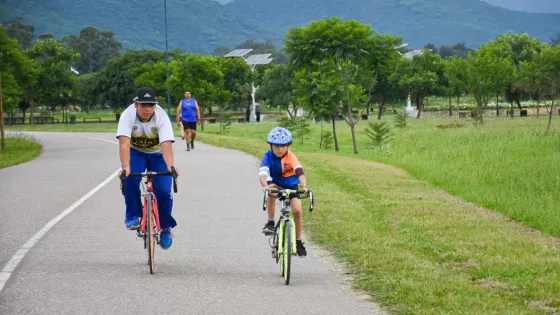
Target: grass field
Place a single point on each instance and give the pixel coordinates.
(510, 166)
(19, 149)
(417, 249)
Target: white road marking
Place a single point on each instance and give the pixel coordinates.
(11, 265)
(115, 142)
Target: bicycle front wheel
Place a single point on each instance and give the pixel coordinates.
(151, 231)
(287, 252)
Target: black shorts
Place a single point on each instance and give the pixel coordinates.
(292, 194)
(189, 125)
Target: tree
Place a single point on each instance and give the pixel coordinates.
(517, 48)
(23, 33)
(10, 60)
(422, 76)
(345, 44)
(543, 73)
(237, 79)
(378, 63)
(278, 90)
(487, 74)
(201, 76)
(320, 93)
(114, 85)
(96, 48)
(220, 51)
(455, 70)
(51, 75)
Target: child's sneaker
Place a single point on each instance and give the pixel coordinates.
(268, 229)
(300, 249)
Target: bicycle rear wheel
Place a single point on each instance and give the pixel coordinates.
(150, 230)
(287, 252)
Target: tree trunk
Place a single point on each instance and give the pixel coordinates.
(381, 106)
(352, 124)
(336, 147)
(31, 111)
(497, 107)
(549, 119)
(512, 110)
(2, 139)
(450, 108)
(419, 105)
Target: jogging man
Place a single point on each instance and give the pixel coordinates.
(188, 114)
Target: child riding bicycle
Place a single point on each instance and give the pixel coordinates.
(281, 168)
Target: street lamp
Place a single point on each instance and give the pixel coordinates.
(252, 61)
(167, 61)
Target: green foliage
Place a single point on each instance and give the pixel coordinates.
(401, 119)
(326, 140)
(277, 88)
(286, 122)
(96, 48)
(379, 134)
(301, 129)
(20, 31)
(224, 119)
(201, 75)
(298, 126)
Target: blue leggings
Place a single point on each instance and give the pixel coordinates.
(139, 162)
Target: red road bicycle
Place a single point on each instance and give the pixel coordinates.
(150, 213)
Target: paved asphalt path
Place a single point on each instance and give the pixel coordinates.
(89, 263)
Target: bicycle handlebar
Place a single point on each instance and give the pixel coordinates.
(151, 174)
(283, 192)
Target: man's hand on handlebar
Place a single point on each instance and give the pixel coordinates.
(126, 172)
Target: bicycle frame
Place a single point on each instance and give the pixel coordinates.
(280, 238)
(150, 225)
(150, 201)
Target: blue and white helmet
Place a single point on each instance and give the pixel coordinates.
(279, 135)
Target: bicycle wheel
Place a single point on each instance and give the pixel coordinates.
(287, 255)
(151, 235)
(275, 244)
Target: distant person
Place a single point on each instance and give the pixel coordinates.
(248, 112)
(258, 112)
(188, 115)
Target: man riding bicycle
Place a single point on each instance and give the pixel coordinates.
(145, 138)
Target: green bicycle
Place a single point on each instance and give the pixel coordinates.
(282, 242)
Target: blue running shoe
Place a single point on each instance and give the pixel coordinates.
(166, 238)
(133, 224)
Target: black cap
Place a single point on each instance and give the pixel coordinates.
(146, 95)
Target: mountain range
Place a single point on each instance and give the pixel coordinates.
(202, 25)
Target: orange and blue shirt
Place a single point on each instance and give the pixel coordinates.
(284, 171)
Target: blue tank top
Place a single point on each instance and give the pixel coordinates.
(188, 112)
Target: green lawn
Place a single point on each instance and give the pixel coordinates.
(508, 165)
(19, 149)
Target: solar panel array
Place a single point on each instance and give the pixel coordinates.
(258, 59)
(238, 53)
